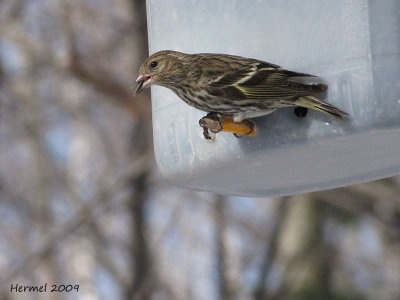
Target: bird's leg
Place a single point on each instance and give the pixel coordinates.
(217, 123)
(300, 111)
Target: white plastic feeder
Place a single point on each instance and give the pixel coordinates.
(354, 46)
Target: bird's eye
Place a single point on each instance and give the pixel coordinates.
(153, 64)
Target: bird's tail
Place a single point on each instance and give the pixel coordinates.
(317, 104)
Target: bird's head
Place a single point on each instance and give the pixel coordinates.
(163, 68)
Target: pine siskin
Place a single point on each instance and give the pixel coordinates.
(228, 86)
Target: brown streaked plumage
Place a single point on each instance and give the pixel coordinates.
(231, 85)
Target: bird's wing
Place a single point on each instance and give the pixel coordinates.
(259, 80)
(224, 72)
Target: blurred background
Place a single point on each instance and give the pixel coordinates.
(82, 203)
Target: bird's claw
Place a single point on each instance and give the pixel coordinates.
(207, 134)
(211, 122)
(251, 126)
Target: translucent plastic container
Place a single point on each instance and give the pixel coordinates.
(354, 46)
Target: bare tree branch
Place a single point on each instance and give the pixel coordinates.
(224, 285)
(271, 248)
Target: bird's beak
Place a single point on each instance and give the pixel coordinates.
(142, 82)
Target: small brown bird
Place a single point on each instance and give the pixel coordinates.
(228, 86)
